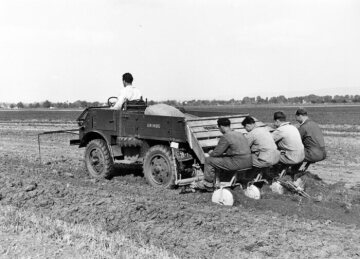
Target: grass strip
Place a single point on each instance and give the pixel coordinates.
(25, 234)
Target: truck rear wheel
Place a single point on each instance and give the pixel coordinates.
(159, 167)
(98, 160)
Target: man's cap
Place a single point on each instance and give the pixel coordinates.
(223, 122)
(301, 111)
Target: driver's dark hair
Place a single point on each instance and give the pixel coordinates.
(128, 78)
(223, 122)
(279, 116)
(248, 120)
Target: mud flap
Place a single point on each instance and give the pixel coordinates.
(116, 151)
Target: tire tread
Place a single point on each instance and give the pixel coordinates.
(109, 163)
(167, 152)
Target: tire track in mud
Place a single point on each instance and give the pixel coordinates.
(188, 225)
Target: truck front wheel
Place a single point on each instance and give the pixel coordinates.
(159, 167)
(98, 160)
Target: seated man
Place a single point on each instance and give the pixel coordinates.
(311, 137)
(129, 92)
(288, 140)
(263, 148)
(231, 153)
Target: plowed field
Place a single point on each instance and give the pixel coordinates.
(180, 225)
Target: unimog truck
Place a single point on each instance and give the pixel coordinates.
(171, 150)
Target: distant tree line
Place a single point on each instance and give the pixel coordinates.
(281, 99)
(47, 104)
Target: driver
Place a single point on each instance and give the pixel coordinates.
(128, 93)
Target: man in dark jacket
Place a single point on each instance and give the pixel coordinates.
(311, 136)
(231, 153)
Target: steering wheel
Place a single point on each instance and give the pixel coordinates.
(111, 101)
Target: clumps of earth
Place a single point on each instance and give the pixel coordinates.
(187, 224)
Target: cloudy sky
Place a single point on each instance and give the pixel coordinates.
(65, 50)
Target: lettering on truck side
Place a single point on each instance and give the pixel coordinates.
(151, 125)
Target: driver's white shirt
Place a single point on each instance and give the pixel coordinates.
(129, 93)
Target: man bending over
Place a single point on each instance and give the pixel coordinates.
(312, 139)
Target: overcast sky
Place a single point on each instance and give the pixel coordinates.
(65, 50)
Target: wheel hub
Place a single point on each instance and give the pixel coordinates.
(97, 161)
(160, 169)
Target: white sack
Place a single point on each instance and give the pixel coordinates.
(163, 110)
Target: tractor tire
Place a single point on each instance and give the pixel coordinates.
(159, 167)
(98, 160)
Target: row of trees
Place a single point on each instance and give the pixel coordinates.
(48, 104)
(281, 99)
